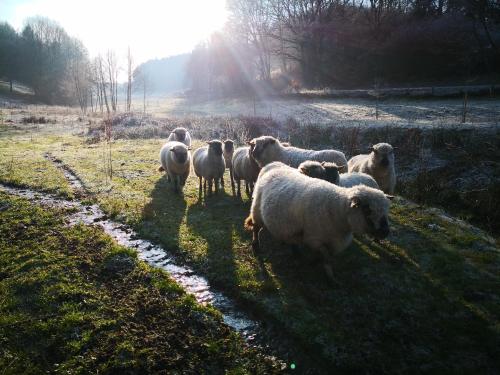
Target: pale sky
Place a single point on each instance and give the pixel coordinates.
(152, 28)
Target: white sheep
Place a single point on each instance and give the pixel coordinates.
(175, 160)
(245, 168)
(227, 152)
(209, 165)
(379, 164)
(314, 212)
(268, 149)
(180, 135)
(330, 172)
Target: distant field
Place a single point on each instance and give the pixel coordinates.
(396, 112)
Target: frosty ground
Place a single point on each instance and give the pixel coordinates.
(425, 299)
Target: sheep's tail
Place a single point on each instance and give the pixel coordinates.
(161, 169)
(249, 223)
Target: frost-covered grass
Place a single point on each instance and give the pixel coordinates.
(425, 299)
(392, 112)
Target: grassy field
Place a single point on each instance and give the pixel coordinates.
(71, 301)
(425, 299)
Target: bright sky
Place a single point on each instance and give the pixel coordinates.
(152, 28)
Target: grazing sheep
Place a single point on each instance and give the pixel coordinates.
(175, 160)
(180, 135)
(209, 165)
(228, 151)
(379, 164)
(268, 149)
(330, 172)
(245, 168)
(295, 208)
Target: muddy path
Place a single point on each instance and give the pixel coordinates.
(256, 332)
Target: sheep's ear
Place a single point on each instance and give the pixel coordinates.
(172, 150)
(272, 140)
(342, 168)
(355, 202)
(390, 197)
(303, 170)
(209, 142)
(251, 143)
(371, 149)
(323, 163)
(190, 148)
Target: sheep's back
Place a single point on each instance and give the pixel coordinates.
(355, 164)
(357, 178)
(243, 168)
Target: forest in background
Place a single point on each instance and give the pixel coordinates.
(273, 46)
(292, 44)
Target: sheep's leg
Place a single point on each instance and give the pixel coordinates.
(222, 182)
(168, 178)
(327, 265)
(247, 189)
(200, 188)
(205, 186)
(232, 179)
(216, 183)
(176, 183)
(255, 237)
(238, 182)
(210, 184)
(252, 185)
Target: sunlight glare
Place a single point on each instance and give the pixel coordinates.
(152, 28)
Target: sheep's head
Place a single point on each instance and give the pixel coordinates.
(228, 146)
(382, 154)
(262, 149)
(215, 146)
(324, 170)
(368, 211)
(180, 134)
(180, 153)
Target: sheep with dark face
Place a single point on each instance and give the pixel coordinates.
(180, 135)
(267, 149)
(175, 160)
(228, 151)
(379, 164)
(322, 170)
(245, 168)
(330, 172)
(314, 212)
(209, 165)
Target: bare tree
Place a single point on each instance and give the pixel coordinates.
(129, 80)
(112, 68)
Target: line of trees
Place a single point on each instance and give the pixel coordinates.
(58, 69)
(348, 43)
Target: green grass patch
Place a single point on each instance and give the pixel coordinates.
(66, 307)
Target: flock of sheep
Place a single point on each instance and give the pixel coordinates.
(298, 196)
